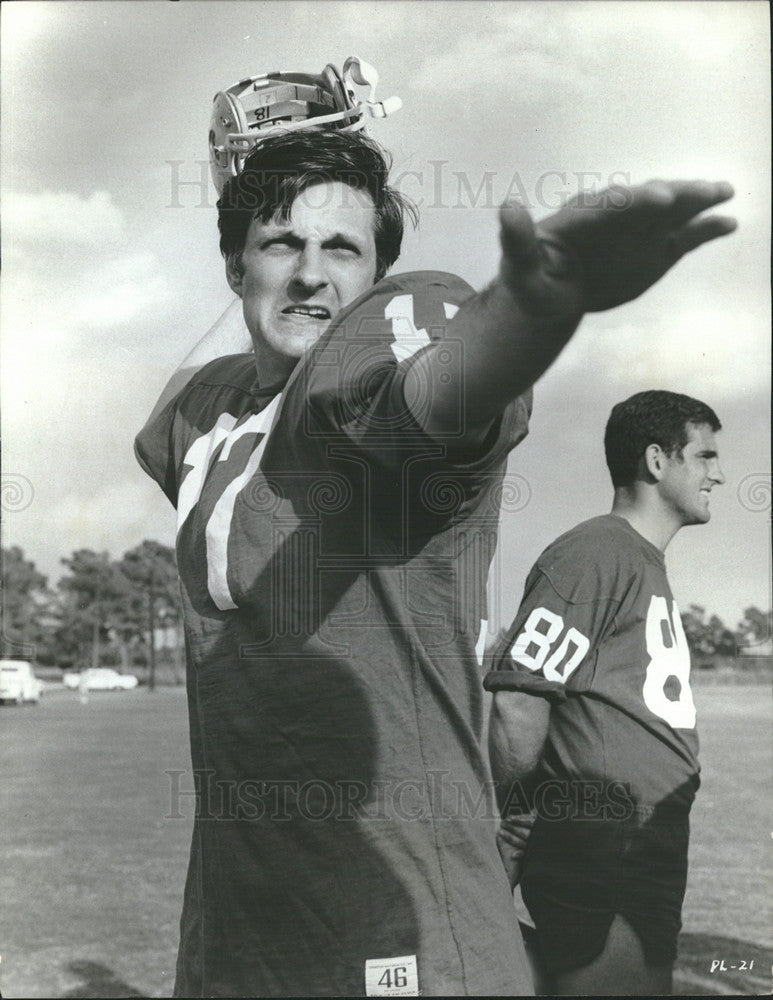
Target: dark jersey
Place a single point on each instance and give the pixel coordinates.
(598, 632)
(333, 562)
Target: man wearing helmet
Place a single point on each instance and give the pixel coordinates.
(336, 490)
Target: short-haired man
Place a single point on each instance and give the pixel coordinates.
(336, 494)
(593, 721)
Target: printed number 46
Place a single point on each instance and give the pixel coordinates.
(394, 977)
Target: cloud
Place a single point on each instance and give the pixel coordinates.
(523, 50)
(56, 219)
(712, 351)
(70, 269)
(522, 61)
(705, 32)
(25, 23)
(122, 290)
(111, 516)
(102, 517)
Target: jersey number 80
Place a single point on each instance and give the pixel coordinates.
(666, 644)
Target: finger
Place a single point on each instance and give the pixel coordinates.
(512, 838)
(699, 195)
(517, 236)
(518, 829)
(686, 198)
(520, 819)
(515, 836)
(700, 231)
(515, 842)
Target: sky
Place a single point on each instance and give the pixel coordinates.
(112, 270)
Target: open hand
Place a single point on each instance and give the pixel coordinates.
(601, 250)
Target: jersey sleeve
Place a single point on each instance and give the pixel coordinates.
(346, 397)
(569, 606)
(207, 407)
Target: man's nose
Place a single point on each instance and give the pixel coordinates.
(717, 475)
(310, 273)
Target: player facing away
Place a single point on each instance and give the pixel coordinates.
(335, 480)
(593, 721)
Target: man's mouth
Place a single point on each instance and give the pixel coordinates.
(308, 311)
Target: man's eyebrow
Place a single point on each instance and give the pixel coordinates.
(340, 237)
(288, 235)
(280, 234)
(708, 453)
(274, 229)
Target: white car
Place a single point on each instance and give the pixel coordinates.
(100, 679)
(18, 682)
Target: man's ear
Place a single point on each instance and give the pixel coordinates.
(654, 461)
(234, 272)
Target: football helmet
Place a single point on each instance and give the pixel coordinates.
(253, 109)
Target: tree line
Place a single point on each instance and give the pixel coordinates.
(102, 612)
(126, 613)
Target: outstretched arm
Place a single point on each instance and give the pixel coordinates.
(597, 252)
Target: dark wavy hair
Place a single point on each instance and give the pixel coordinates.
(287, 163)
(652, 417)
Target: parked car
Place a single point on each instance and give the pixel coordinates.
(18, 682)
(100, 679)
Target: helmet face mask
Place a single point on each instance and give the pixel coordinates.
(252, 109)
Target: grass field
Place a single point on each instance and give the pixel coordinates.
(91, 873)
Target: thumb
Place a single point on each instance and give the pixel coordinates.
(520, 247)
